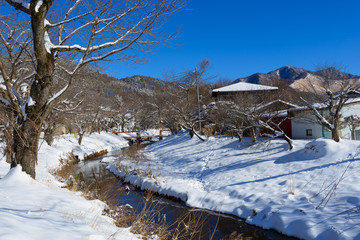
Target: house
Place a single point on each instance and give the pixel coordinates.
(277, 111)
(304, 124)
(242, 89)
(259, 98)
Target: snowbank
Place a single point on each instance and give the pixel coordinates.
(304, 192)
(39, 209)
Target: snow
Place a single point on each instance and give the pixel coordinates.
(266, 184)
(38, 5)
(24, 4)
(48, 44)
(40, 209)
(290, 105)
(59, 93)
(30, 101)
(46, 23)
(321, 105)
(242, 86)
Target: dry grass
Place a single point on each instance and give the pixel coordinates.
(107, 188)
(68, 166)
(191, 226)
(149, 222)
(152, 222)
(133, 153)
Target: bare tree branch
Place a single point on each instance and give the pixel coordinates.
(24, 7)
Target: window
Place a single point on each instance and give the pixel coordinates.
(308, 132)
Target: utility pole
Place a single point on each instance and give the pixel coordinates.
(198, 98)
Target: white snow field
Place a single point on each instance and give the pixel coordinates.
(310, 192)
(41, 209)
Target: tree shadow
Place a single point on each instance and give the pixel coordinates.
(312, 151)
(297, 172)
(246, 158)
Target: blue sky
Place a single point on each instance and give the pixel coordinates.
(244, 37)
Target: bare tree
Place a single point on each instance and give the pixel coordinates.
(353, 121)
(122, 114)
(240, 115)
(222, 82)
(188, 97)
(328, 97)
(88, 31)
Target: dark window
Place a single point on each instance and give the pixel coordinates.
(309, 132)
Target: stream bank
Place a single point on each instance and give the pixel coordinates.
(172, 214)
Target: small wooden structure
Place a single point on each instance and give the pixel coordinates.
(142, 139)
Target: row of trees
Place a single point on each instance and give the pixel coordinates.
(176, 104)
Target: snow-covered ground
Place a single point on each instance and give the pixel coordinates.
(305, 192)
(40, 209)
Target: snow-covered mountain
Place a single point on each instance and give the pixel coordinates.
(298, 78)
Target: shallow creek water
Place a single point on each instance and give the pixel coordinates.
(218, 226)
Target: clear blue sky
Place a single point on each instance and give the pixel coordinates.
(244, 37)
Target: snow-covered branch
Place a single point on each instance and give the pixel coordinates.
(317, 114)
(21, 5)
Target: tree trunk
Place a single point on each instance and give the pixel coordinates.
(8, 151)
(49, 136)
(353, 133)
(191, 133)
(335, 135)
(26, 141)
(81, 134)
(240, 135)
(27, 132)
(288, 140)
(196, 134)
(253, 134)
(49, 132)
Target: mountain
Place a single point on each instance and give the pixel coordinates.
(136, 84)
(297, 78)
(287, 73)
(334, 73)
(142, 84)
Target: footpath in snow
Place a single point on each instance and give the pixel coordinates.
(310, 192)
(41, 209)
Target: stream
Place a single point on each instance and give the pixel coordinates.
(215, 225)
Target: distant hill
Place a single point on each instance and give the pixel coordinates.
(297, 78)
(137, 84)
(140, 84)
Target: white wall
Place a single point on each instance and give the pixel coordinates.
(302, 121)
(351, 109)
(305, 120)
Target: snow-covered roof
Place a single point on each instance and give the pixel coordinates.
(322, 105)
(244, 87)
(291, 105)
